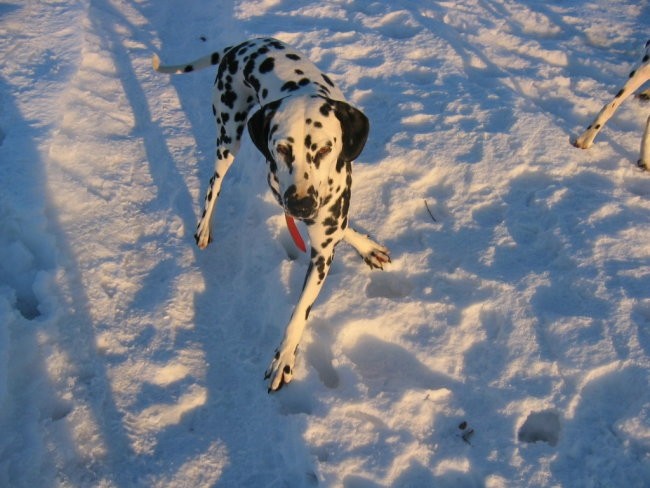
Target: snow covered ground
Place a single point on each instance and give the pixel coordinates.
(506, 346)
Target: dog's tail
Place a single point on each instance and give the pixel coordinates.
(197, 64)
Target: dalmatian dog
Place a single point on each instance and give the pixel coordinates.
(638, 77)
(309, 136)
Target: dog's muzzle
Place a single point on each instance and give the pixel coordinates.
(300, 207)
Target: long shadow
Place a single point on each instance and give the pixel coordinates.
(29, 221)
(238, 414)
(172, 195)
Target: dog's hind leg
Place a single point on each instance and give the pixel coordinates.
(229, 133)
(203, 235)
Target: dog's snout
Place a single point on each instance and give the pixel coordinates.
(300, 206)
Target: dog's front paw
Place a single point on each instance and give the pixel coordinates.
(377, 257)
(280, 372)
(374, 255)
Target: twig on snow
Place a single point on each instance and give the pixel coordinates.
(429, 210)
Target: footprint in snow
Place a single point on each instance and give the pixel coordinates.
(541, 426)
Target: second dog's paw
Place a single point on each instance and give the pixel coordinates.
(280, 371)
(580, 142)
(203, 236)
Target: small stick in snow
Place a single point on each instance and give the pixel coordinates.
(429, 210)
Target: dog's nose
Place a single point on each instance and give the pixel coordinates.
(300, 207)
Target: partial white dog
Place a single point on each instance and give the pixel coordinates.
(638, 77)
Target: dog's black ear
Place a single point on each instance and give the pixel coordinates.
(258, 128)
(355, 127)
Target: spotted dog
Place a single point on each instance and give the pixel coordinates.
(309, 136)
(638, 77)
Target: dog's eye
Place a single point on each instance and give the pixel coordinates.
(282, 149)
(324, 150)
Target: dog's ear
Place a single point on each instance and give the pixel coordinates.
(258, 128)
(355, 127)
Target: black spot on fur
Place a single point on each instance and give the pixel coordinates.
(254, 82)
(267, 65)
(290, 86)
(327, 80)
(189, 68)
(233, 65)
(214, 59)
(619, 93)
(228, 98)
(304, 82)
(319, 263)
(292, 56)
(325, 109)
(275, 44)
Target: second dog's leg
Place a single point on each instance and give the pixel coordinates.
(644, 158)
(637, 78)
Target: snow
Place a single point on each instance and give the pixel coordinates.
(507, 344)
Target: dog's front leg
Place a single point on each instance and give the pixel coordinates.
(280, 371)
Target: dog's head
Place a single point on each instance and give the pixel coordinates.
(307, 141)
